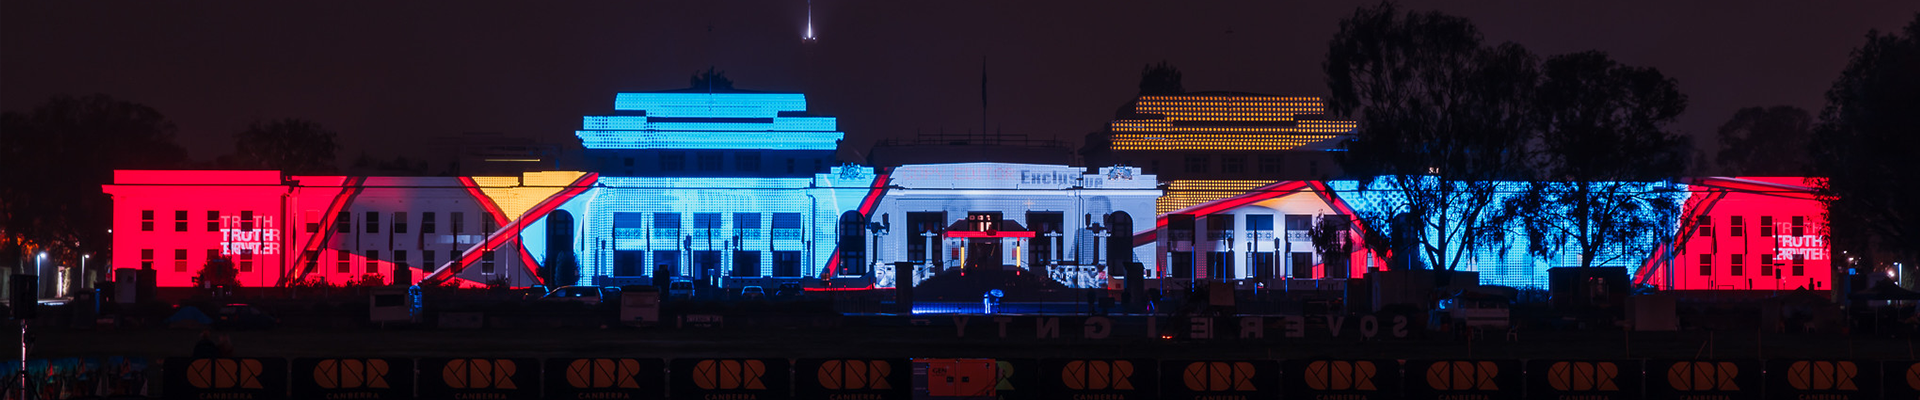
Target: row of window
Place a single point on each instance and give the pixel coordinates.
(343, 223)
(713, 161)
(1769, 266)
(747, 225)
(243, 261)
(746, 263)
(400, 223)
(181, 220)
(1737, 226)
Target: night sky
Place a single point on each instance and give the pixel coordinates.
(389, 76)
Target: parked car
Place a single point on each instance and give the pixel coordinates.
(583, 294)
(753, 293)
(241, 316)
(788, 291)
(680, 290)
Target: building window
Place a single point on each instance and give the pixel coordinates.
(1219, 227)
(486, 226)
(343, 223)
(1706, 265)
(1737, 226)
(246, 261)
(786, 263)
(180, 221)
(786, 226)
(146, 220)
(312, 219)
(400, 260)
(706, 225)
(1269, 164)
(343, 261)
(399, 222)
(373, 222)
(746, 225)
(179, 260)
(213, 220)
(213, 254)
(1704, 225)
(486, 261)
(146, 258)
(1197, 164)
(1233, 164)
(1737, 264)
(1766, 226)
(666, 225)
(428, 223)
(710, 160)
(629, 226)
(459, 222)
(1766, 264)
(426, 261)
(1799, 265)
(673, 161)
(746, 263)
(747, 161)
(373, 261)
(1799, 226)
(246, 221)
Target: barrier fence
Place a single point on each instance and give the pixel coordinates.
(959, 378)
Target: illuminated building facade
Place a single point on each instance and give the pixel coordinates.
(1053, 220)
(1730, 234)
(723, 188)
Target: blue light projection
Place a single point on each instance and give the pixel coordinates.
(1501, 255)
(734, 121)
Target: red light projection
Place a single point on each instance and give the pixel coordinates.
(1746, 233)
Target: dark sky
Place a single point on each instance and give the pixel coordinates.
(391, 75)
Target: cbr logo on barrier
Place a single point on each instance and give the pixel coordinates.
(1462, 375)
(1097, 375)
(729, 374)
(224, 373)
(1219, 376)
(1703, 376)
(1913, 376)
(601, 373)
(855, 374)
(1822, 375)
(1341, 375)
(351, 374)
(479, 374)
(1583, 376)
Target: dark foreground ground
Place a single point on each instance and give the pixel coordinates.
(940, 341)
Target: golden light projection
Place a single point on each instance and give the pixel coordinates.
(1188, 193)
(1185, 123)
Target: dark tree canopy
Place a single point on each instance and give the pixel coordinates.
(1605, 162)
(1865, 146)
(711, 80)
(1160, 80)
(1770, 141)
(58, 154)
(293, 146)
(1442, 116)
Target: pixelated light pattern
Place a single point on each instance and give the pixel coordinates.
(737, 121)
(1188, 193)
(1229, 123)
